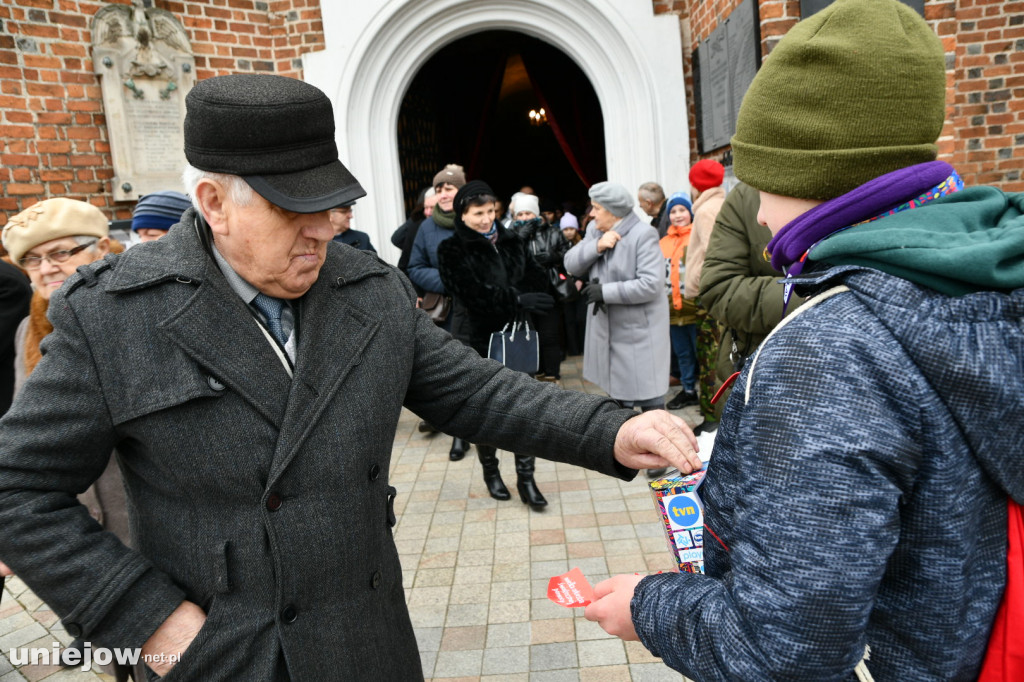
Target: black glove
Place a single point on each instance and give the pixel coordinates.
(592, 292)
(536, 303)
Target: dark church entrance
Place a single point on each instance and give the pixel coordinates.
(512, 110)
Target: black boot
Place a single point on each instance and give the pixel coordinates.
(683, 399)
(458, 450)
(492, 477)
(527, 487)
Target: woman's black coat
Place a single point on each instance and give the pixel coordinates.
(485, 279)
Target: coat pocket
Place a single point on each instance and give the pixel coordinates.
(187, 667)
(150, 389)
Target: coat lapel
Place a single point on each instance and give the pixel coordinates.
(214, 326)
(217, 330)
(332, 335)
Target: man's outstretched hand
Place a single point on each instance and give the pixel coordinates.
(655, 439)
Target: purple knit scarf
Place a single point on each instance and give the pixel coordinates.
(789, 247)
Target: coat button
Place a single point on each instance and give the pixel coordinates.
(289, 614)
(274, 502)
(376, 580)
(73, 629)
(374, 472)
(214, 384)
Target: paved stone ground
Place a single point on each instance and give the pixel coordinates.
(475, 570)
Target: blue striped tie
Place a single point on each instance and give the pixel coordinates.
(271, 309)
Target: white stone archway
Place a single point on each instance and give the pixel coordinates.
(632, 58)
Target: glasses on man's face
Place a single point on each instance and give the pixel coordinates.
(56, 257)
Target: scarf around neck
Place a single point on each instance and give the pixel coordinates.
(38, 327)
(445, 219)
(492, 234)
(900, 190)
(673, 247)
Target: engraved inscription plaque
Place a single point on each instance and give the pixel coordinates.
(726, 63)
(146, 68)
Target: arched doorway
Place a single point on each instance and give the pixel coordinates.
(632, 58)
(513, 111)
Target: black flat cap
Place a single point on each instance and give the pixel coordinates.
(276, 133)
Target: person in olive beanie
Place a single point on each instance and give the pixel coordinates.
(858, 494)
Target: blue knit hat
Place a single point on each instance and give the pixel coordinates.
(679, 199)
(159, 210)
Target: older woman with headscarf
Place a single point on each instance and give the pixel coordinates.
(625, 351)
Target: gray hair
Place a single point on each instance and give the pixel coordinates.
(652, 192)
(83, 239)
(238, 189)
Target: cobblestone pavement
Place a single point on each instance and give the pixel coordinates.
(475, 570)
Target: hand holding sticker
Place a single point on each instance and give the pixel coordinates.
(570, 589)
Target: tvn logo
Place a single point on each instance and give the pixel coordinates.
(684, 511)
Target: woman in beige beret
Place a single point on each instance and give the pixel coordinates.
(49, 241)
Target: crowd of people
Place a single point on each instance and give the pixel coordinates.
(235, 378)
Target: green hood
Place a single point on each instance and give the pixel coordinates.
(972, 240)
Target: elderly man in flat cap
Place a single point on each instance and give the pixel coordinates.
(251, 373)
(341, 221)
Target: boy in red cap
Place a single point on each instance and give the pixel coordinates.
(706, 180)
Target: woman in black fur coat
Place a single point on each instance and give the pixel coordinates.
(492, 278)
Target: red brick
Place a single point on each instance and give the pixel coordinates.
(84, 105)
(19, 117)
(40, 30)
(18, 159)
(55, 175)
(24, 188)
(17, 131)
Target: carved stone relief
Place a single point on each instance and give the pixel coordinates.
(146, 67)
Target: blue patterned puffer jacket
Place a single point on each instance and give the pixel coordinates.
(859, 481)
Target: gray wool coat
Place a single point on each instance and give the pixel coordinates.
(262, 498)
(626, 351)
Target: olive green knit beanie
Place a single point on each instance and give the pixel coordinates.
(851, 93)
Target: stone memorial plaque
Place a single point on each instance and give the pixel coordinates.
(727, 62)
(146, 68)
(744, 42)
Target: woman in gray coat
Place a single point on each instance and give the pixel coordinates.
(625, 350)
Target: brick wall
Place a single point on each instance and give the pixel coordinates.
(988, 97)
(984, 42)
(53, 138)
(52, 129)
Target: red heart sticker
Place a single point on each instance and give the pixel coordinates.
(570, 589)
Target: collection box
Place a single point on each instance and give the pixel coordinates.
(682, 514)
